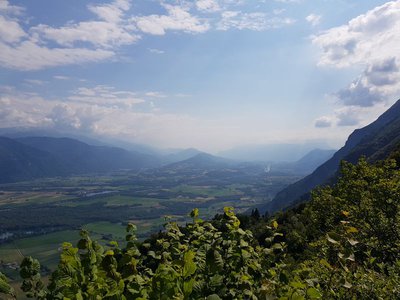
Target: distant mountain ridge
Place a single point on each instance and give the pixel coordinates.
(376, 141)
(82, 157)
(202, 161)
(271, 152)
(181, 155)
(307, 164)
(33, 157)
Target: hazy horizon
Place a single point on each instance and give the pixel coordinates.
(208, 74)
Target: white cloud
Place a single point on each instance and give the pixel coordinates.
(29, 50)
(155, 95)
(99, 33)
(61, 77)
(313, 19)
(28, 56)
(323, 122)
(5, 7)
(35, 81)
(111, 30)
(105, 96)
(10, 31)
(208, 5)
(102, 111)
(371, 42)
(378, 82)
(44, 45)
(177, 19)
(111, 13)
(252, 21)
(351, 116)
(156, 51)
(85, 110)
(370, 37)
(288, 1)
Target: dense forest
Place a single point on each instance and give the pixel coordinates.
(343, 244)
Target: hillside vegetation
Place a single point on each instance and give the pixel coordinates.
(343, 244)
(375, 141)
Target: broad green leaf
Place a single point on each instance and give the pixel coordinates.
(297, 285)
(313, 293)
(189, 267)
(213, 297)
(351, 230)
(325, 263)
(275, 224)
(188, 286)
(194, 213)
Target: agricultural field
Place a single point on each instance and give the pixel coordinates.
(36, 217)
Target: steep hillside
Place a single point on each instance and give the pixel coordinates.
(376, 141)
(82, 157)
(22, 162)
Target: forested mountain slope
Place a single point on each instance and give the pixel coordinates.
(34, 157)
(375, 141)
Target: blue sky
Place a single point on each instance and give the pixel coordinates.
(211, 74)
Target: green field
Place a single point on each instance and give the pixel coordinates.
(42, 214)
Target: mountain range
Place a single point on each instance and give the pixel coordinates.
(33, 157)
(30, 157)
(272, 152)
(378, 140)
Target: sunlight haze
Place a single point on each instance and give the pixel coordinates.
(209, 74)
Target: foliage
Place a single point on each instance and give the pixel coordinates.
(5, 287)
(344, 244)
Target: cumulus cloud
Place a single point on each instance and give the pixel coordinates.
(369, 37)
(113, 12)
(177, 18)
(377, 83)
(323, 122)
(113, 26)
(208, 5)
(352, 116)
(10, 30)
(99, 33)
(28, 56)
(86, 109)
(29, 50)
(370, 41)
(313, 19)
(6, 7)
(108, 117)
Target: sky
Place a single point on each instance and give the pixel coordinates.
(210, 74)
